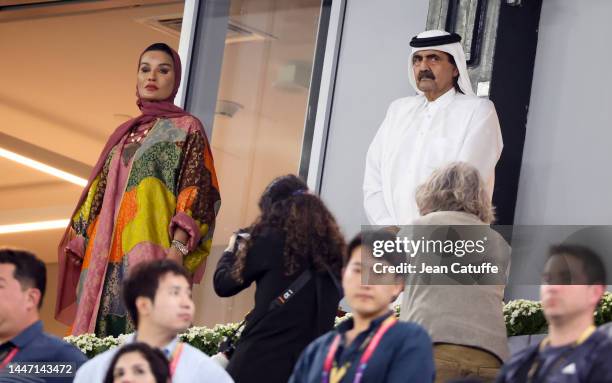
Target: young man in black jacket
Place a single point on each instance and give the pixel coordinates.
(574, 280)
(371, 346)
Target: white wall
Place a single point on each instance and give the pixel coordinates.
(372, 72)
(565, 175)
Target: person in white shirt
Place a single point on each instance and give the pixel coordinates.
(445, 122)
(157, 296)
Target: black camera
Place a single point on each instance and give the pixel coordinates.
(227, 347)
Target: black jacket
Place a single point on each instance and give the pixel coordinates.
(404, 355)
(269, 348)
(588, 362)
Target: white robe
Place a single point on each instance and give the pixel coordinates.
(418, 137)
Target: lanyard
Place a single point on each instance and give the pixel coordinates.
(535, 367)
(372, 343)
(174, 359)
(9, 357)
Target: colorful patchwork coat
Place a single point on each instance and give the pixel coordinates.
(143, 193)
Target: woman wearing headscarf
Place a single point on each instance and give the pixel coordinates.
(153, 193)
(293, 253)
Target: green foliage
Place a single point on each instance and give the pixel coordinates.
(207, 340)
(523, 317)
(603, 314)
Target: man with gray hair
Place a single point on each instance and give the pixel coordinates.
(443, 123)
(461, 311)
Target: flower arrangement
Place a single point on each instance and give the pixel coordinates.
(523, 317)
(604, 310)
(340, 319)
(206, 339)
(91, 345)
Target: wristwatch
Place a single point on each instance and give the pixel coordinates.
(180, 246)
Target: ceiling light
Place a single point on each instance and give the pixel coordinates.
(42, 167)
(34, 226)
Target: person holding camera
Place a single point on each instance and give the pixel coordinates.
(293, 253)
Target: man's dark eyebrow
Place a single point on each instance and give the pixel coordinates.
(178, 287)
(432, 55)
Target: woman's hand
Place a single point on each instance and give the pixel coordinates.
(232, 243)
(75, 249)
(74, 258)
(175, 255)
(241, 237)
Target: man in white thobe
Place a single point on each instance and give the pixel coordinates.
(443, 123)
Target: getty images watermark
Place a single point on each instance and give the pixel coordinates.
(412, 248)
(436, 255)
(472, 255)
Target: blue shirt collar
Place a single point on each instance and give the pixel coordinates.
(28, 335)
(167, 349)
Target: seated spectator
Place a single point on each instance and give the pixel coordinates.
(466, 323)
(138, 363)
(157, 296)
(294, 249)
(22, 339)
(574, 280)
(371, 346)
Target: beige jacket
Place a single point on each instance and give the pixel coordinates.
(462, 315)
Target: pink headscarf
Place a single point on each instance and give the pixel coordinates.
(69, 273)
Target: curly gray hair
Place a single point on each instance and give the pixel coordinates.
(456, 187)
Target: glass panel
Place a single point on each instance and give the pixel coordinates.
(259, 121)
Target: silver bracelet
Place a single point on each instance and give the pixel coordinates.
(180, 246)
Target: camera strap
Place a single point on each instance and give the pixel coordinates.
(280, 300)
(293, 288)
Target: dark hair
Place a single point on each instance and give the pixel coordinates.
(592, 264)
(143, 281)
(29, 270)
(353, 244)
(156, 359)
(367, 239)
(160, 47)
(279, 189)
(312, 236)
